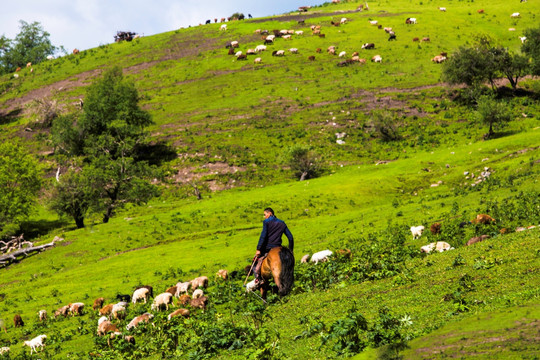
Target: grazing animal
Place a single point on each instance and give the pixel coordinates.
(250, 286)
(184, 299)
(304, 259)
(106, 310)
(75, 51)
(368, 46)
(343, 20)
(311, 58)
(515, 15)
(123, 297)
(162, 299)
(392, 37)
(118, 310)
(373, 22)
(28, 64)
(278, 53)
(241, 57)
(342, 54)
(231, 51)
(234, 44)
(178, 312)
(444, 53)
(64, 311)
(299, 32)
(105, 326)
(477, 239)
(321, 256)
(435, 228)
(411, 21)
(18, 69)
(223, 27)
(197, 294)
(150, 289)
(4, 350)
(76, 308)
(98, 303)
(140, 294)
(18, 321)
(199, 302)
(171, 290)
(201, 281)
(293, 50)
(182, 288)
(483, 219)
(345, 62)
(439, 59)
(442, 8)
(322, 35)
(35, 343)
(138, 320)
(287, 37)
(42, 315)
(250, 52)
(522, 38)
(279, 265)
(416, 39)
(208, 22)
(346, 253)
(440, 246)
(388, 29)
(223, 274)
(377, 58)
(417, 231)
(257, 60)
(260, 48)
(480, 11)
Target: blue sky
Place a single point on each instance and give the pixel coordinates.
(85, 24)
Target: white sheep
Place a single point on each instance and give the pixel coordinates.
(343, 20)
(417, 231)
(299, 32)
(522, 38)
(119, 310)
(257, 60)
(250, 286)
(515, 15)
(4, 350)
(260, 48)
(139, 319)
(182, 288)
(304, 259)
(440, 246)
(293, 50)
(140, 294)
(238, 53)
(342, 54)
(287, 37)
(42, 315)
(162, 299)
(223, 27)
(197, 294)
(321, 256)
(35, 342)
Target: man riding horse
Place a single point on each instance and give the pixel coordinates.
(273, 229)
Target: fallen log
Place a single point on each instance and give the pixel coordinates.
(20, 254)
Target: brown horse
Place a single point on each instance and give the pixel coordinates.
(279, 265)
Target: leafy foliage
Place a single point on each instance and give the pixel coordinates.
(492, 113)
(303, 162)
(531, 47)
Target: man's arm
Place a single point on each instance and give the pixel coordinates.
(289, 236)
(262, 238)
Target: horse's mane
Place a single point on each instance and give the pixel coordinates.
(286, 278)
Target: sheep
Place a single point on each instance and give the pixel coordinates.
(139, 319)
(417, 231)
(171, 290)
(477, 239)
(373, 22)
(387, 29)
(140, 294)
(199, 302)
(523, 39)
(223, 274)
(293, 50)
(260, 48)
(415, 39)
(4, 350)
(105, 326)
(123, 297)
(250, 286)
(182, 288)
(410, 21)
(250, 52)
(304, 259)
(184, 299)
(442, 8)
(368, 46)
(106, 310)
(118, 310)
(278, 53)
(98, 303)
(287, 37)
(201, 281)
(18, 321)
(257, 60)
(515, 15)
(343, 20)
(223, 27)
(197, 294)
(480, 11)
(238, 53)
(392, 37)
(321, 256)
(181, 312)
(426, 39)
(75, 51)
(440, 246)
(377, 58)
(342, 54)
(76, 308)
(42, 315)
(299, 32)
(483, 219)
(234, 44)
(64, 310)
(162, 299)
(344, 63)
(311, 58)
(438, 59)
(242, 57)
(35, 342)
(435, 228)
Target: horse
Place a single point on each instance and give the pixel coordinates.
(278, 265)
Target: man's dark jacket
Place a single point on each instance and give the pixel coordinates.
(271, 233)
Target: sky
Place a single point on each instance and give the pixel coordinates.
(84, 24)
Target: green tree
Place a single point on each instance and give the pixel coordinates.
(107, 136)
(72, 195)
(303, 162)
(385, 125)
(492, 113)
(20, 182)
(531, 47)
(31, 44)
(513, 66)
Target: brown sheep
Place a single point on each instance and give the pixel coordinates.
(318, 50)
(223, 274)
(98, 303)
(480, 11)
(483, 219)
(201, 281)
(171, 290)
(179, 312)
(106, 310)
(106, 327)
(75, 51)
(18, 321)
(425, 39)
(199, 302)
(311, 58)
(183, 300)
(346, 253)
(415, 39)
(477, 239)
(435, 228)
(64, 310)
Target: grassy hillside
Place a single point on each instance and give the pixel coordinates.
(231, 124)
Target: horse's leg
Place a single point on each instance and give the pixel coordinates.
(264, 290)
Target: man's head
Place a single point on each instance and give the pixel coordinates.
(268, 212)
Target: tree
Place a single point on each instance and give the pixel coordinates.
(385, 125)
(107, 136)
(20, 182)
(303, 162)
(31, 44)
(492, 112)
(531, 47)
(72, 196)
(513, 66)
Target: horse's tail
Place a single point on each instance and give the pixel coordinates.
(286, 277)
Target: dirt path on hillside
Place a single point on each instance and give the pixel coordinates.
(304, 16)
